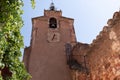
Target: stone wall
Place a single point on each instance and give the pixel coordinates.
(103, 55)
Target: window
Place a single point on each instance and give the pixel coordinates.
(52, 23)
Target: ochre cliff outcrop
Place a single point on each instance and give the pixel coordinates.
(101, 58)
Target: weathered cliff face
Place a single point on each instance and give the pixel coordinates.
(80, 54)
(103, 55)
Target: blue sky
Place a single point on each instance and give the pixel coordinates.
(90, 16)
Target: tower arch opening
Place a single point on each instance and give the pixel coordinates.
(52, 23)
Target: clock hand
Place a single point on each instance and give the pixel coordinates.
(53, 37)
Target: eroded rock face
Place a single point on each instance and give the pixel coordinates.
(103, 55)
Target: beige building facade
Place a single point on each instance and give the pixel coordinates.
(45, 59)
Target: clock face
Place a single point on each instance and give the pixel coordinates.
(53, 37)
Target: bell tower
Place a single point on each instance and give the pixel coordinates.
(45, 58)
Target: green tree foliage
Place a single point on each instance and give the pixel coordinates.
(11, 41)
(33, 3)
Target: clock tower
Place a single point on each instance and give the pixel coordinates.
(45, 59)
